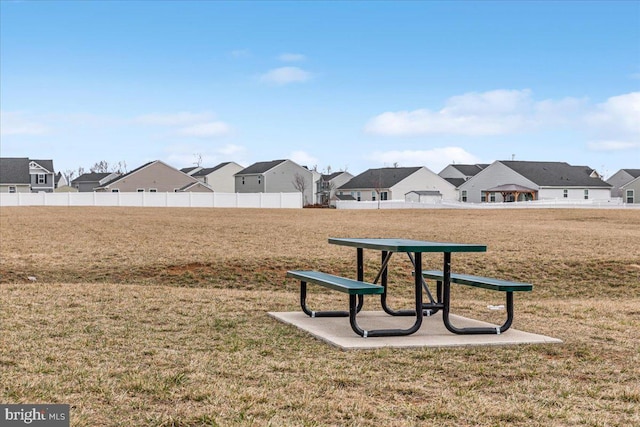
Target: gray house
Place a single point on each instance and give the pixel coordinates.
(327, 185)
(459, 174)
(514, 181)
(631, 191)
(620, 178)
(155, 176)
(22, 175)
(276, 176)
(395, 183)
(88, 182)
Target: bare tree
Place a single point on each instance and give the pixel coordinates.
(198, 161)
(100, 167)
(300, 184)
(69, 174)
(120, 167)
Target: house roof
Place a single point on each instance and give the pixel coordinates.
(190, 169)
(469, 170)
(345, 197)
(195, 184)
(633, 172)
(511, 188)
(14, 170)
(207, 171)
(426, 192)
(260, 167)
(91, 177)
(457, 182)
(46, 164)
(556, 174)
(379, 178)
(331, 176)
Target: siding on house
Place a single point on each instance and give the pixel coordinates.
(220, 178)
(631, 192)
(620, 178)
(277, 176)
(153, 176)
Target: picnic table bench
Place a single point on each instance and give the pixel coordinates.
(342, 284)
(479, 282)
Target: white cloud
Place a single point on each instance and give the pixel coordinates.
(497, 112)
(303, 158)
(173, 119)
(291, 57)
(613, 145)
(286, 75)
(435, 159)
(16, 123)
(615, 124)
(205, 130)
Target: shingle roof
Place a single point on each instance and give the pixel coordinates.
(260, 167)
(457, 182)
(633, 172)
(556, 174)
(469, 170)
(379, 178)
(47, 164)
(189, 169)
(207, 171)
(91, 177)
(14, 170)
(426, 192)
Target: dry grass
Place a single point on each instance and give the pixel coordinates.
(158, 317)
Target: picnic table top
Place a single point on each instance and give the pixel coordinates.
(407, 245)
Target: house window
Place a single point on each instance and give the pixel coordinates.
(464, 195)
(243, 180)
(358, 196)
(42, 178)
(630, 198)
(153, 190)
(565, 194)
(586, 194)
(492, 197)
(483, 197)
(140, 190)
(373, 196)
(259, 180)
(12, 189)
(115, 190)
(384, 195)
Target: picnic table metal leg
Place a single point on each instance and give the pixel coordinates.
(311, 313)
(392, 332)
(428, 309)
(446, 297)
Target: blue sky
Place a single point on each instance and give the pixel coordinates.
(346, 85)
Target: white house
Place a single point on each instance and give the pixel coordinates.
(395, 183)
(509, 181)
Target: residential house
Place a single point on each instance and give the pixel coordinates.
(155, 176)
(88, 182)
(395, 183)
(23, 175)
(458, 174)
(327, 184)
(276, 176)
(620, 178)
(631, 191)
(220, 178)
(512, 181)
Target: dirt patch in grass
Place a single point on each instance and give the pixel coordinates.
(158, 317)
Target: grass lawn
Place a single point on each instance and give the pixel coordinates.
(144, 316)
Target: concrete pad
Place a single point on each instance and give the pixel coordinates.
(337, 331)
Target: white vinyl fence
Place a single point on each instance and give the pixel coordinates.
(146, 199)
(615, 203)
